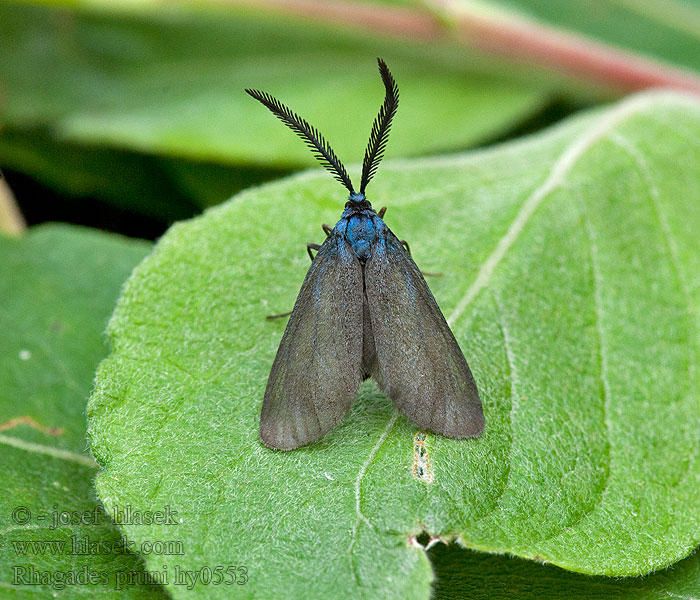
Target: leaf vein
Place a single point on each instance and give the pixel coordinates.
(560, 169)
(513, 375)
(82, 459)
(672, 245)
(358, 483)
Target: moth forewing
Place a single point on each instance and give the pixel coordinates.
(318, 366)
(421, 365)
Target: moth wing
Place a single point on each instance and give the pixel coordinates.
(421, 366)
(317, 370)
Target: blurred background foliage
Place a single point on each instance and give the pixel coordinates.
(127, 115)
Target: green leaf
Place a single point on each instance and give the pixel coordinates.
(571, 280)
(462, 573)
(162, 187)
(171, 82)
(58, 286)
(128, 180)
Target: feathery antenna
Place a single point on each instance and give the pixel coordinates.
(380, 129)
(311, 136)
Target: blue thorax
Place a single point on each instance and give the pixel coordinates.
(360, 225)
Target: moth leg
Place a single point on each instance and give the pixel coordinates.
(279, 316)
(381, 213)
(311, 246)
(327, 229)
(404, 243)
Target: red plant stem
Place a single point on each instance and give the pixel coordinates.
(508, 37)
(571, 54)
(378, 18)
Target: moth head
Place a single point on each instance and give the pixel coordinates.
(322, 150)
(357, 203)
(356, 199)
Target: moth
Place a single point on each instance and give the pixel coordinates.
(364, 310)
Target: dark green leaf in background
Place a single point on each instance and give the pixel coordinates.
(172, 82)
(159, 187)
(169, 82)
(58, 286)
(461, 573)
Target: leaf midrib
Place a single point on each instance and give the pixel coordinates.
(556, 177)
